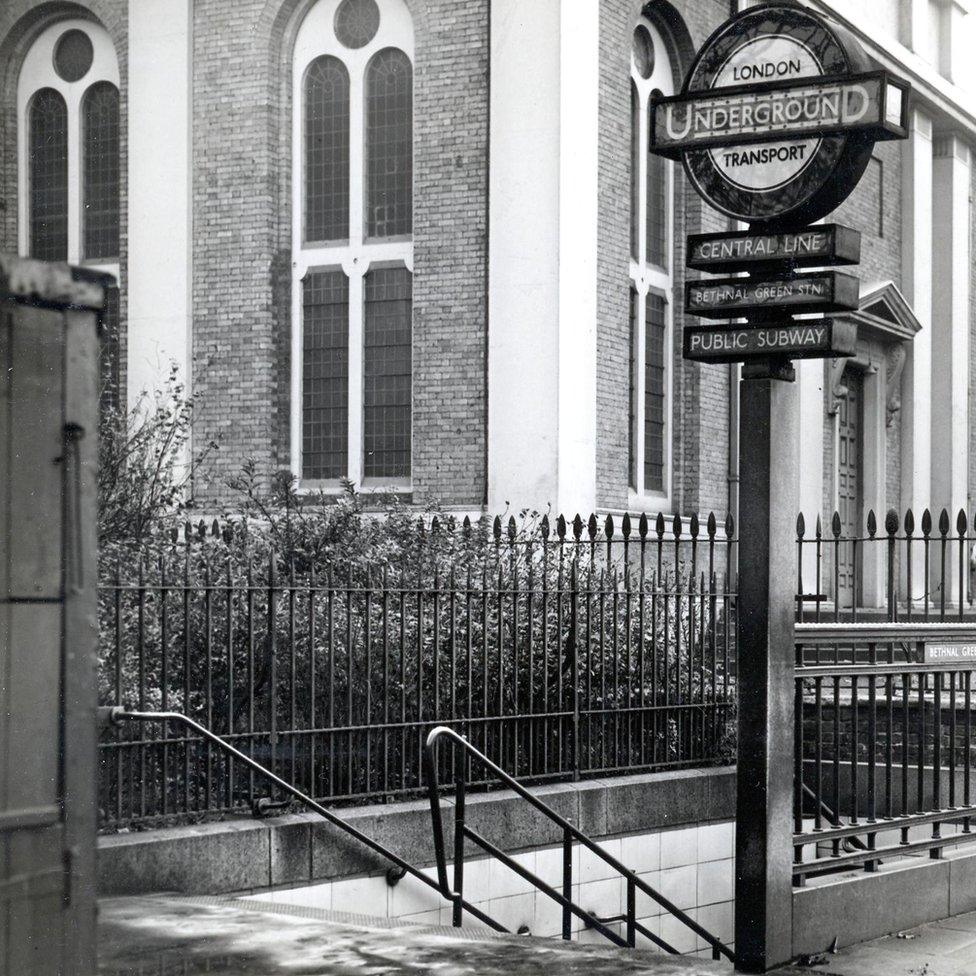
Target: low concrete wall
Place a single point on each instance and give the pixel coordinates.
(245, 855)
(857, 907)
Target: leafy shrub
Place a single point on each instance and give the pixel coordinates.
(326, 640)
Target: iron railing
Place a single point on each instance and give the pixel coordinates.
(117, 716)
(884, 745)
(902, 570)
(466, 758)
(579, 652)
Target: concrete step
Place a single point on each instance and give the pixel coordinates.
(159, 935)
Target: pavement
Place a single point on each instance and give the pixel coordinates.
(170, 935)
(946, 948)
(179, 936)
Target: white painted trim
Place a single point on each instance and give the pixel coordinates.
(810, 471)
(316, 37)
(579, 166)
(874, 471)
(160, 200)
(38, 72)
(647, 277)
(931, 91)
(916, 459)
(523, 253)
(950, 330)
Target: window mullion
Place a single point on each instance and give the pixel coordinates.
(74, 178)
(297, 363)
(668, 442)
(642, 113)
(357, 161)
(640, 388)
(356, 375)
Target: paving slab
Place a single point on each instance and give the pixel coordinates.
(946, 948)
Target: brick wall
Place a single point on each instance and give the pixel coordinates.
(242, 260)
(617, 21)
(864, 751)
(235, 240)
(450, 253)
(242, 226)
(699, 404)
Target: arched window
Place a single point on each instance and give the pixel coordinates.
(68, 165)
(100, 171)
(635, 170)
(352, 197)
(49, 176)
(652, 305)
(69, 168)
(389, 144)
(326, 150)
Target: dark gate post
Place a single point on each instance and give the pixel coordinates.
(768, 469)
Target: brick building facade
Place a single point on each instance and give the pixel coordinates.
(496, 321)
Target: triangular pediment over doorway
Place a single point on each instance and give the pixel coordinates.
(884, 311)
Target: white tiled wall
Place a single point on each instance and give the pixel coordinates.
(691, 866)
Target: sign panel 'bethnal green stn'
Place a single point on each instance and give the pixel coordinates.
(775, 126)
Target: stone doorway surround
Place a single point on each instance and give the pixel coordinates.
(886, 325)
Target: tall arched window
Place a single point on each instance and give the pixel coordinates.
(326, 150)
(650, 276)
(68, 160)
(389, 144)
(48, 121)
(353, 253)
(100, 171)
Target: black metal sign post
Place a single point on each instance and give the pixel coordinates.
(774, 125)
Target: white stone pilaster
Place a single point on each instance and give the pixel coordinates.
(523, 249)
(579, 77)
(918, 26)
(917, 288)
(542, 300)
(950, 327)
(955, 41)
(160, 189)
(810, 377)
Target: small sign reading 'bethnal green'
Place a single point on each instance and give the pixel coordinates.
(824, 291)
(950, 653)
(797, 339)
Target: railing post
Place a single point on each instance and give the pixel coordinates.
(567, 884)
(631, 912)
(766, 675)
(574, 664)
(460, 759)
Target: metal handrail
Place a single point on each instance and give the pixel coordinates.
(570, 833)
(116, 715)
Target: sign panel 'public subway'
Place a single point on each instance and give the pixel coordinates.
(778, 115)
(796, 338)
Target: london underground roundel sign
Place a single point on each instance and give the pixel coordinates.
(778, 115)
